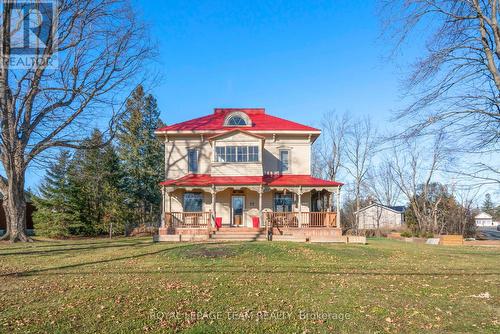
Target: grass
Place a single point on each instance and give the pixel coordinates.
(135, 285)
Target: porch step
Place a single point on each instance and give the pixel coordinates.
(239, 229)
(238, 235)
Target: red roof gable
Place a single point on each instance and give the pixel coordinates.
(231, 132)
(206, 180)
(260, 122)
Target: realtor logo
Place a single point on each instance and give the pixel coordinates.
(33, 33)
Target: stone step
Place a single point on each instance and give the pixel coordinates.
(234, 236)
(237, 233)
(242, 240)
(240, 229)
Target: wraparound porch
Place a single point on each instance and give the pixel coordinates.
(240, 206)
(201, 204)
(285, 220)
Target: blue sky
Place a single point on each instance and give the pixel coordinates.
(297, 59)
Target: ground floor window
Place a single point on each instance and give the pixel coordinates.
(193, 202)
(283, 202)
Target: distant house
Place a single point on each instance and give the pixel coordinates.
(483, 220)
(378, 215)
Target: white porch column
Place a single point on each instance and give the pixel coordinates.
(162, 221)
(169, 201)
(167, 207)
(261, 217)
(214, 197)
(300, 206)
(338, 207)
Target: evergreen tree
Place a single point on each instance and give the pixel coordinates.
(55, 215)
(488, 205)
(102, 189)
(97, 178)
(116, 213)
(141, 156)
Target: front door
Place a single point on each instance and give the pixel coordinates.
(237, 207)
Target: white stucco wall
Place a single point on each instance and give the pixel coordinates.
(176, 149)
(388, 218)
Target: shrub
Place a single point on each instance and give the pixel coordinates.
(406, 234)
(428, 235)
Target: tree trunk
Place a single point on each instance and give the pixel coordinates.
(14, 205)
(358, 204)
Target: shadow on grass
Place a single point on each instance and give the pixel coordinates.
(253, 270)
(50, 243)
(76, 265)
(237, 269)
(93, 246)
(224, 268)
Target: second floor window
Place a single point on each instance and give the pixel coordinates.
(253, 153)
(284, 161)
(237, 154)
(193, 160)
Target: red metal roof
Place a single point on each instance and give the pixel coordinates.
(260, 122)
(299, 180)
(206, 180)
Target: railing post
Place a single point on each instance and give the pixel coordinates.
(208, 220)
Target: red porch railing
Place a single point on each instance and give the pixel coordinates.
(300, 219)
(188, 219)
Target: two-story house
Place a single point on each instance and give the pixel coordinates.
(243, 168)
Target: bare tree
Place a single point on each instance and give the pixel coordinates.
(382, 185)
(455, 85)
(465, 197)
(100, 48)
(359, 150)
(328, 153)
(482, 174)
(414, 167)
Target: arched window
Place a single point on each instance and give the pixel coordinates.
(236, 121)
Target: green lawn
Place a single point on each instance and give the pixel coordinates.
(135, 285)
